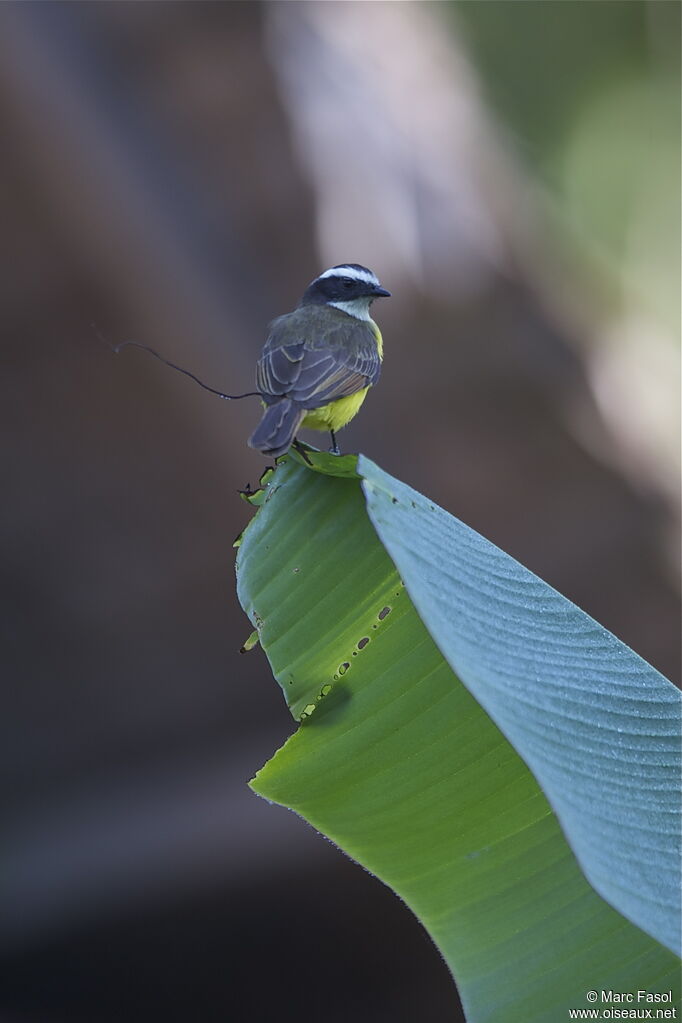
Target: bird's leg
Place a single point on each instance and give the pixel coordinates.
(301, 450)
(334, 449)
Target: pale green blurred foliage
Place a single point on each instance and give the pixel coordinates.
(588, 94)
(619, 176)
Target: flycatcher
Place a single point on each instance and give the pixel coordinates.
(320, 360)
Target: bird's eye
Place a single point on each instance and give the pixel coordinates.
(347, 282)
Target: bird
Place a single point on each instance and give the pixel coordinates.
(320, 360)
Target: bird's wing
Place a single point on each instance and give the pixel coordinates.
(278, 368)
(336, 360)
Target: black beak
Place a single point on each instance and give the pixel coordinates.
(380, 292)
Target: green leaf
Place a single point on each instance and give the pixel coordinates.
(597, 725)
(400, 766)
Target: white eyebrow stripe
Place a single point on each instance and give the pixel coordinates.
(366, 276)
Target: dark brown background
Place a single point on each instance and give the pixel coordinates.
(153, 182)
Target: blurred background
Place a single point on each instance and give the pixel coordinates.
(176, 173)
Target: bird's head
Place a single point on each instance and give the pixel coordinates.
(349, 287)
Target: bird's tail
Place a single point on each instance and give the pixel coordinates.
(277, 429)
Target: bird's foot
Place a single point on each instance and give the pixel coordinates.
(302, 451)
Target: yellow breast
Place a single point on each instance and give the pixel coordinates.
(380, 340)
(337, 413)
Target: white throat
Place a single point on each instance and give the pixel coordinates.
(357, 307)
